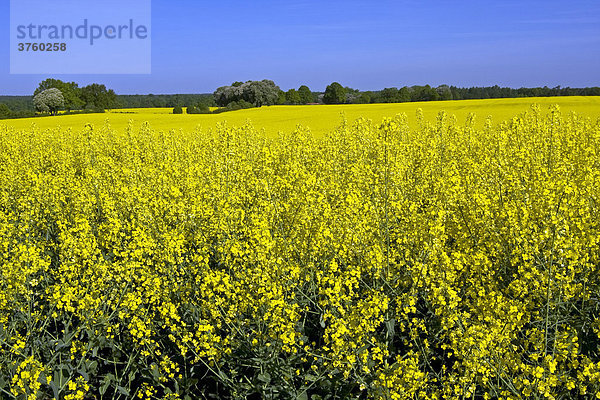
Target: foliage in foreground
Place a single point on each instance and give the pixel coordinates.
(377, 262)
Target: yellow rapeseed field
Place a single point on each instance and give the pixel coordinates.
(412, 257)
(320, 119)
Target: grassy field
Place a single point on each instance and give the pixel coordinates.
(319, 119)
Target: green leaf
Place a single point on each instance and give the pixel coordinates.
(390, 325)
(58, 377)
(322, 321)
(302, 396)
(123, 391)
(92, 366)
(84, 374)
(105, 384)
(266, 377)
(155, 373)
(54, 389)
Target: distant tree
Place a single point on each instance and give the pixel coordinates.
(334, 94)
(18, 103)
(390, 95)
(209, 100)
(226, 94)
(305, 94)
(50, 100)
(292, 97)
(352, 95)
(199, 109)
(177, 110)
(96, 96)
(404, 94)
(259, 93)
(174, 100)
(281, 97)
(203, 108)
(70, 91)
(364, 98)
(424, 93)
(456, 95)
(5, 112)
(593, 91)
(238, 105)
(157, 101)
(445, 93)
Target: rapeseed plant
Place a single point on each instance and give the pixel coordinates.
(386, 260)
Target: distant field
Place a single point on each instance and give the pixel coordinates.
(320, 118)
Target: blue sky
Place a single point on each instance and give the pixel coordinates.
(200, 45)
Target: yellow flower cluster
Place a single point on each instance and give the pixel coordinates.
(77, 389)
(26, 380)
(383, 260)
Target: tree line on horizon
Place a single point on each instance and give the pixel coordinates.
(53, 95)
(96, 97)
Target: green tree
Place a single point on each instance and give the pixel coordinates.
(390, 95)
(445, 93)
(70, 91)
(292, 97)
(177, 110)
(334, 94)
(305, 94)
(424, 93)
(259, 93)
(364, 98)
(281, 97)
(50, 100)
(5, 112)
(404, 94)
(203, 108)
(352, 95)
(96, 96)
